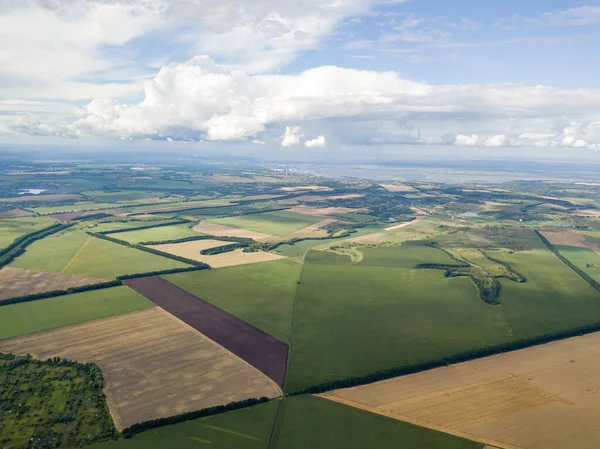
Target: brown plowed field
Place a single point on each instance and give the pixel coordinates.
(16, 213)
(261, 350)
(227, 231)
(16, 282)
(544, 397)
(154, 365)
(565, 238)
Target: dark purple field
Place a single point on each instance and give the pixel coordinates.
(259, 349)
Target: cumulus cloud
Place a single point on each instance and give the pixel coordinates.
(467, 141)
(499, 140)
(291, 136)
(319, 142)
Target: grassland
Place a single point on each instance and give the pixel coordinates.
(50, 404)
(280, 223)
(539, 397)
(312, 422)
(260, 294)
(156, 234)
(585, 259)
(355, 318)
(13, 228)
(128, 224)
(28, 317)
(155, 365)
(249, 428)
(78, 253)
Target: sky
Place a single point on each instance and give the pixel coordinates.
(303, 75)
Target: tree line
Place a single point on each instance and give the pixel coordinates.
(16, 248)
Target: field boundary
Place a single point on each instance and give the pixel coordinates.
(57, 293)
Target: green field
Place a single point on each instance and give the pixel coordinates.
(49, 313)
(128, 224)
(64, 397)
(157, 234)
(249, 428)
(357, 318)
(315, 423)
(78, 253)
(278, 223)
(13, 228)
(261, 294)
(77, 207)
(585, 259)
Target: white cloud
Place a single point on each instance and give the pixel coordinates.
(291, 136)
(580, 16)
(467, 141)
(319, 142)
(499, 140)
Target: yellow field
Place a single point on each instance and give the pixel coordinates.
(322, 211)
(227, 231)
(398, 188)
(566, 238)
(154, 365)
(22, 282)
(545, 397)
(191, 250)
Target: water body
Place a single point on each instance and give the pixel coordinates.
(31, 191)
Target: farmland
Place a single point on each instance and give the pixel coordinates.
(280, 223)
(154, 365)
(584, 258)
(16, 282)
(78, 253)
(536, 397)
(161, 233)
(59, 395)
(50, 313)
(11, 229)
(268, 290)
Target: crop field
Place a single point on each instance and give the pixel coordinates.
(156, 234)
(312, 422)
(565, 238)
(38, 395)
(323, 211)
(357, 318)
(78, 253)
(36, 198)
(50, 313)
(249, 428)
(540, 397)
(261, 295)
(16, 282)
(219, 230)
(248, 342)
(77, 207)
(127, 224)
(280, 223)
(585, 259)
(154, 365)
(13, 228)
(16, 213)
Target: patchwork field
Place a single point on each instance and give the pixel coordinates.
(260, 294)
(540, 397)
(280, 223)
(78, 253)
(354, 318)
(50, 313)
(250, 343)
(130, 224)
(53, 197)
(16, 282)
(156, 234)
(584, 258)
(322, 211)
(219, 230)
(13, 228)
(154, 365)
(249, 428)
(312, 422)
(16, 213)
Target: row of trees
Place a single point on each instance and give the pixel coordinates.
(156, 225)
(16, 248)
(54, 293)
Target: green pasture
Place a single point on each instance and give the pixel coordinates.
(77, 253)
(279, 223)
(117, 195)
(352, 319)
(586, 259)
(13, 228)
(249, 428)
(77, 207)
(49, 313)
(127, 224)
(316, 423)
(261, 294)
(155, 234)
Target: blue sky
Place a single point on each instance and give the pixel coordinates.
(300, 75)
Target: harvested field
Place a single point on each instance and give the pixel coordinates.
(322, 211)
(320, 224)
(154, 364)
(55, 197)
(315, 230)
(405, 225)
(311, 198)
(398, 188)
(307, 188)
(369, 238)
(228, 231)
(16, 213)
(540, 397)
(587, 213)
(16, 282)
(565, 238)
(189, 250)
(255, 346)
